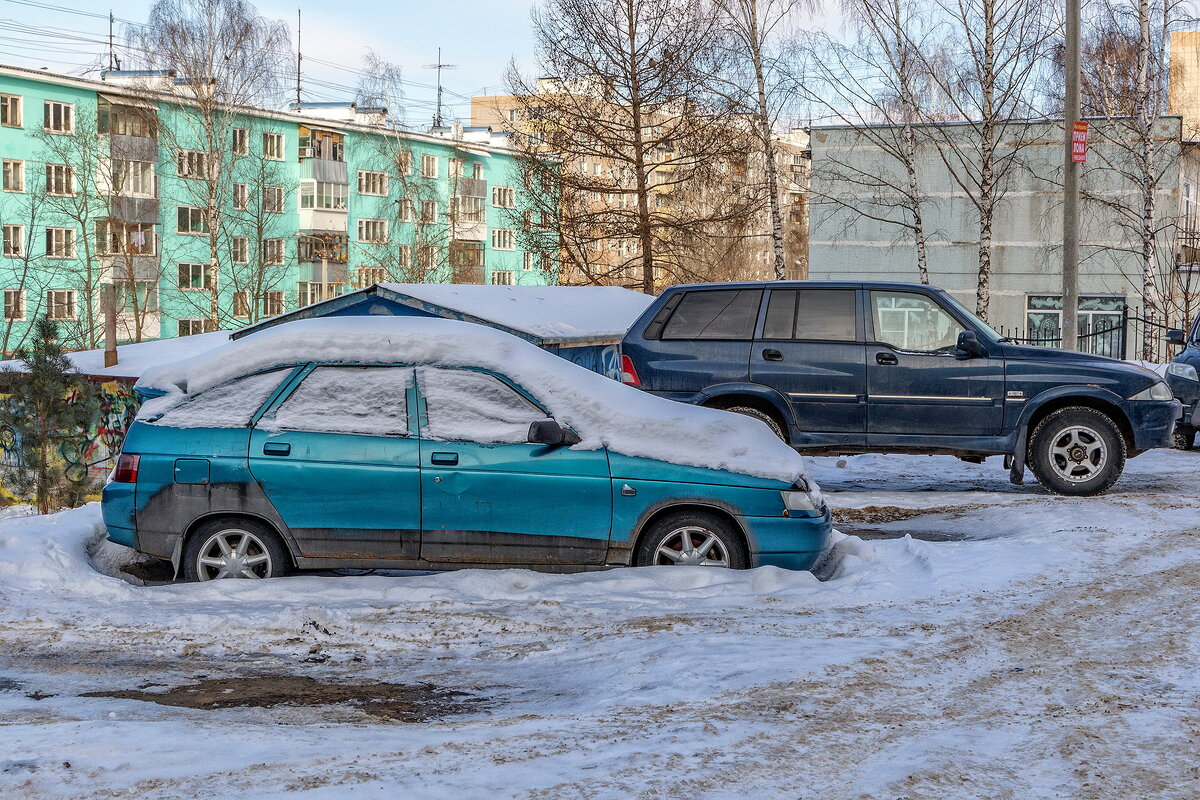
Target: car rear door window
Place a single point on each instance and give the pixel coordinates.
(725, 314)
(811, 314)
(470, 406)
(230, 405)
(361, 400)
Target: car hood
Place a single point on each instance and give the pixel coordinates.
(1083, 363)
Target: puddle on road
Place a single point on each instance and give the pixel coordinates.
(392, 701)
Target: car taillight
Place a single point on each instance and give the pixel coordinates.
(127, 468)
(629, 375)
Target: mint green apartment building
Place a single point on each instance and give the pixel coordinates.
(194, 220)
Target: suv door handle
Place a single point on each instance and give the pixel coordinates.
(444, 459)
(886, 359)
(772, 355)
(276, 448)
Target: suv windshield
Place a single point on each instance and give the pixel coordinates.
(981, 326)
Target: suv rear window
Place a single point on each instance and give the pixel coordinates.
(725, 314)
(820, 314)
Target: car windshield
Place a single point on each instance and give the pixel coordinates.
(980, 325)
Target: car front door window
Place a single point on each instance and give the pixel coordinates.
(913, 323)
(470, 406)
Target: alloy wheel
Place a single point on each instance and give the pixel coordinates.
(233, 553)
(691, 545)
(1078, 454)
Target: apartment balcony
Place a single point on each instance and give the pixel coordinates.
(321, 219)
(324, 170)
(470, 187)
(470, 231)
(143, 210)
(125, 267)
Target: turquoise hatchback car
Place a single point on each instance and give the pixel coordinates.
(375, 454)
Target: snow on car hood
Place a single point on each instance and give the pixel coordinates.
(602, 411)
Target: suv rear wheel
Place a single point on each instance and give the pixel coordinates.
(692, 538)
(1185, 437)
(770, 421)
(1077, 451)
(234, 548)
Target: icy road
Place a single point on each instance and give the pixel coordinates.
(974, 640)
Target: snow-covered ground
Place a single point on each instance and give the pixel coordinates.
(1008, 644)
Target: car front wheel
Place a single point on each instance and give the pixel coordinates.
(1077, 451)
(692, 538)
(234, 548)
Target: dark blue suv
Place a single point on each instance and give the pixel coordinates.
(1185, 383)
(897, 368)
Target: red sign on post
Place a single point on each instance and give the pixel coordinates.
(1079, 143)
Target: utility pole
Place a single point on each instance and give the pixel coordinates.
(439, 66)
(1071, 110)
(298, 57)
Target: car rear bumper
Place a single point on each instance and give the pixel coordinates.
(1153, 422)
(117, 509)
(788, 542)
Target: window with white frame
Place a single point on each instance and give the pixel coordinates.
(191, 327)
(14, 304)
(241, 142)
(429, 166)
(456, 167)
(470, 209)
(10, 110)
(140, 297)
(14, 241)
(241, 304)
(195, 277)
(374, 183)
(60, 304)
(477, 170)
(272, 303)
(124, 238)
(404, 255)
(372, 230)
(428, 212)
(504, 197)
(309, 292)
(14, 175)
(527, 262)
(323, 195)
(272, 251)
(273, 199)
(502, 277)
(241, 196)
(60, 242)
(273, 146)
(370, 275)
(241, 250)
(190, 220)
(404, 162)
(427, 256)
(504, 239)
(514, 115)
(59, 117)
(1190, 208)
(406, 209)
(194, 164)
(133, 178)
(60, 180)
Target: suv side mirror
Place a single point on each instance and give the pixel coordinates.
(549, 432)
(968, 342)
(1174, 336)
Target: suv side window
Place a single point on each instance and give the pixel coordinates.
(468, 406)
(913, 322)
(230, 405)
(724, 314)
(811, 314)
(363, 400)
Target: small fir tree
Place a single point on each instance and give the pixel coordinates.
(45, 423)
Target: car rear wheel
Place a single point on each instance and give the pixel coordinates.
(1185, 437)
(692, 538)
(234, 548)
(770, 421)
(1077, 451)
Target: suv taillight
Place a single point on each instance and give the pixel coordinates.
(127, 468)
(629, 375)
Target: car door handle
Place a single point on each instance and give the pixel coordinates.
(277, 449)
(886, 359)
(444, 459)
(772, 355)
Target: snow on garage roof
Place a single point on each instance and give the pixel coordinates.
(134, 359)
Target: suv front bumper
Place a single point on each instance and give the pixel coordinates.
(1153, 422)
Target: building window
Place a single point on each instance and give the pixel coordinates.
(372, 230)
(60, 117)
(375, 183)
(370, 275)
(504, 239)
(196, 277)
(404, 164)
(470, 209)
(406, 210)
(429, 166)
(502, 277)
(404, 252)
(14, 304)
(193, 164)
(241, 305)
(477, 170)
(323, 195)
(514, 115)
(241, 250)
(504, 197)
(273, 199)
(272, 303)
(141, 297)
(60, 180)
(133, 178)
(309, 292)
(456, 168)
(241, 142)
(241, 196)
(60, 304)
(272, 251)
(427, 256)
(125, 120)
(10, 110)
(116, 238)
(14, 241)
(60, 242)
(1100, 323)
(328, 247)
(466, 254)
(191, 220)
(191, 327)
(273, 146)
(14, 175)
(428, 212)
(527, 262)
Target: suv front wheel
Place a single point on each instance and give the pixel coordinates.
(1077, 451)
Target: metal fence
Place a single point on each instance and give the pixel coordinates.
(1134, 337)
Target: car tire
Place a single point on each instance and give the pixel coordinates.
(1185, 437)
(234, 548)
(1076, 451)
(712, 540)
(763, 416)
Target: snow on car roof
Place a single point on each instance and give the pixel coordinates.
(602, 411)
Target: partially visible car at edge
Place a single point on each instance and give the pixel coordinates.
(1184, 380)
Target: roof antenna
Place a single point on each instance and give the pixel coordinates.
(439, 66)
(298, 58)
(113, 62)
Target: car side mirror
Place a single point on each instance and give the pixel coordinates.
(1174, 336)
(549, 432)
(968, 342)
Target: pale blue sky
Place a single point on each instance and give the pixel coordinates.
(480, 37)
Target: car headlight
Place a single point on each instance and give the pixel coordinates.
(1179, 370)
(802, 497)
(1159, 391)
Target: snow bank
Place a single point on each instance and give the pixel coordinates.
(603, 412)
